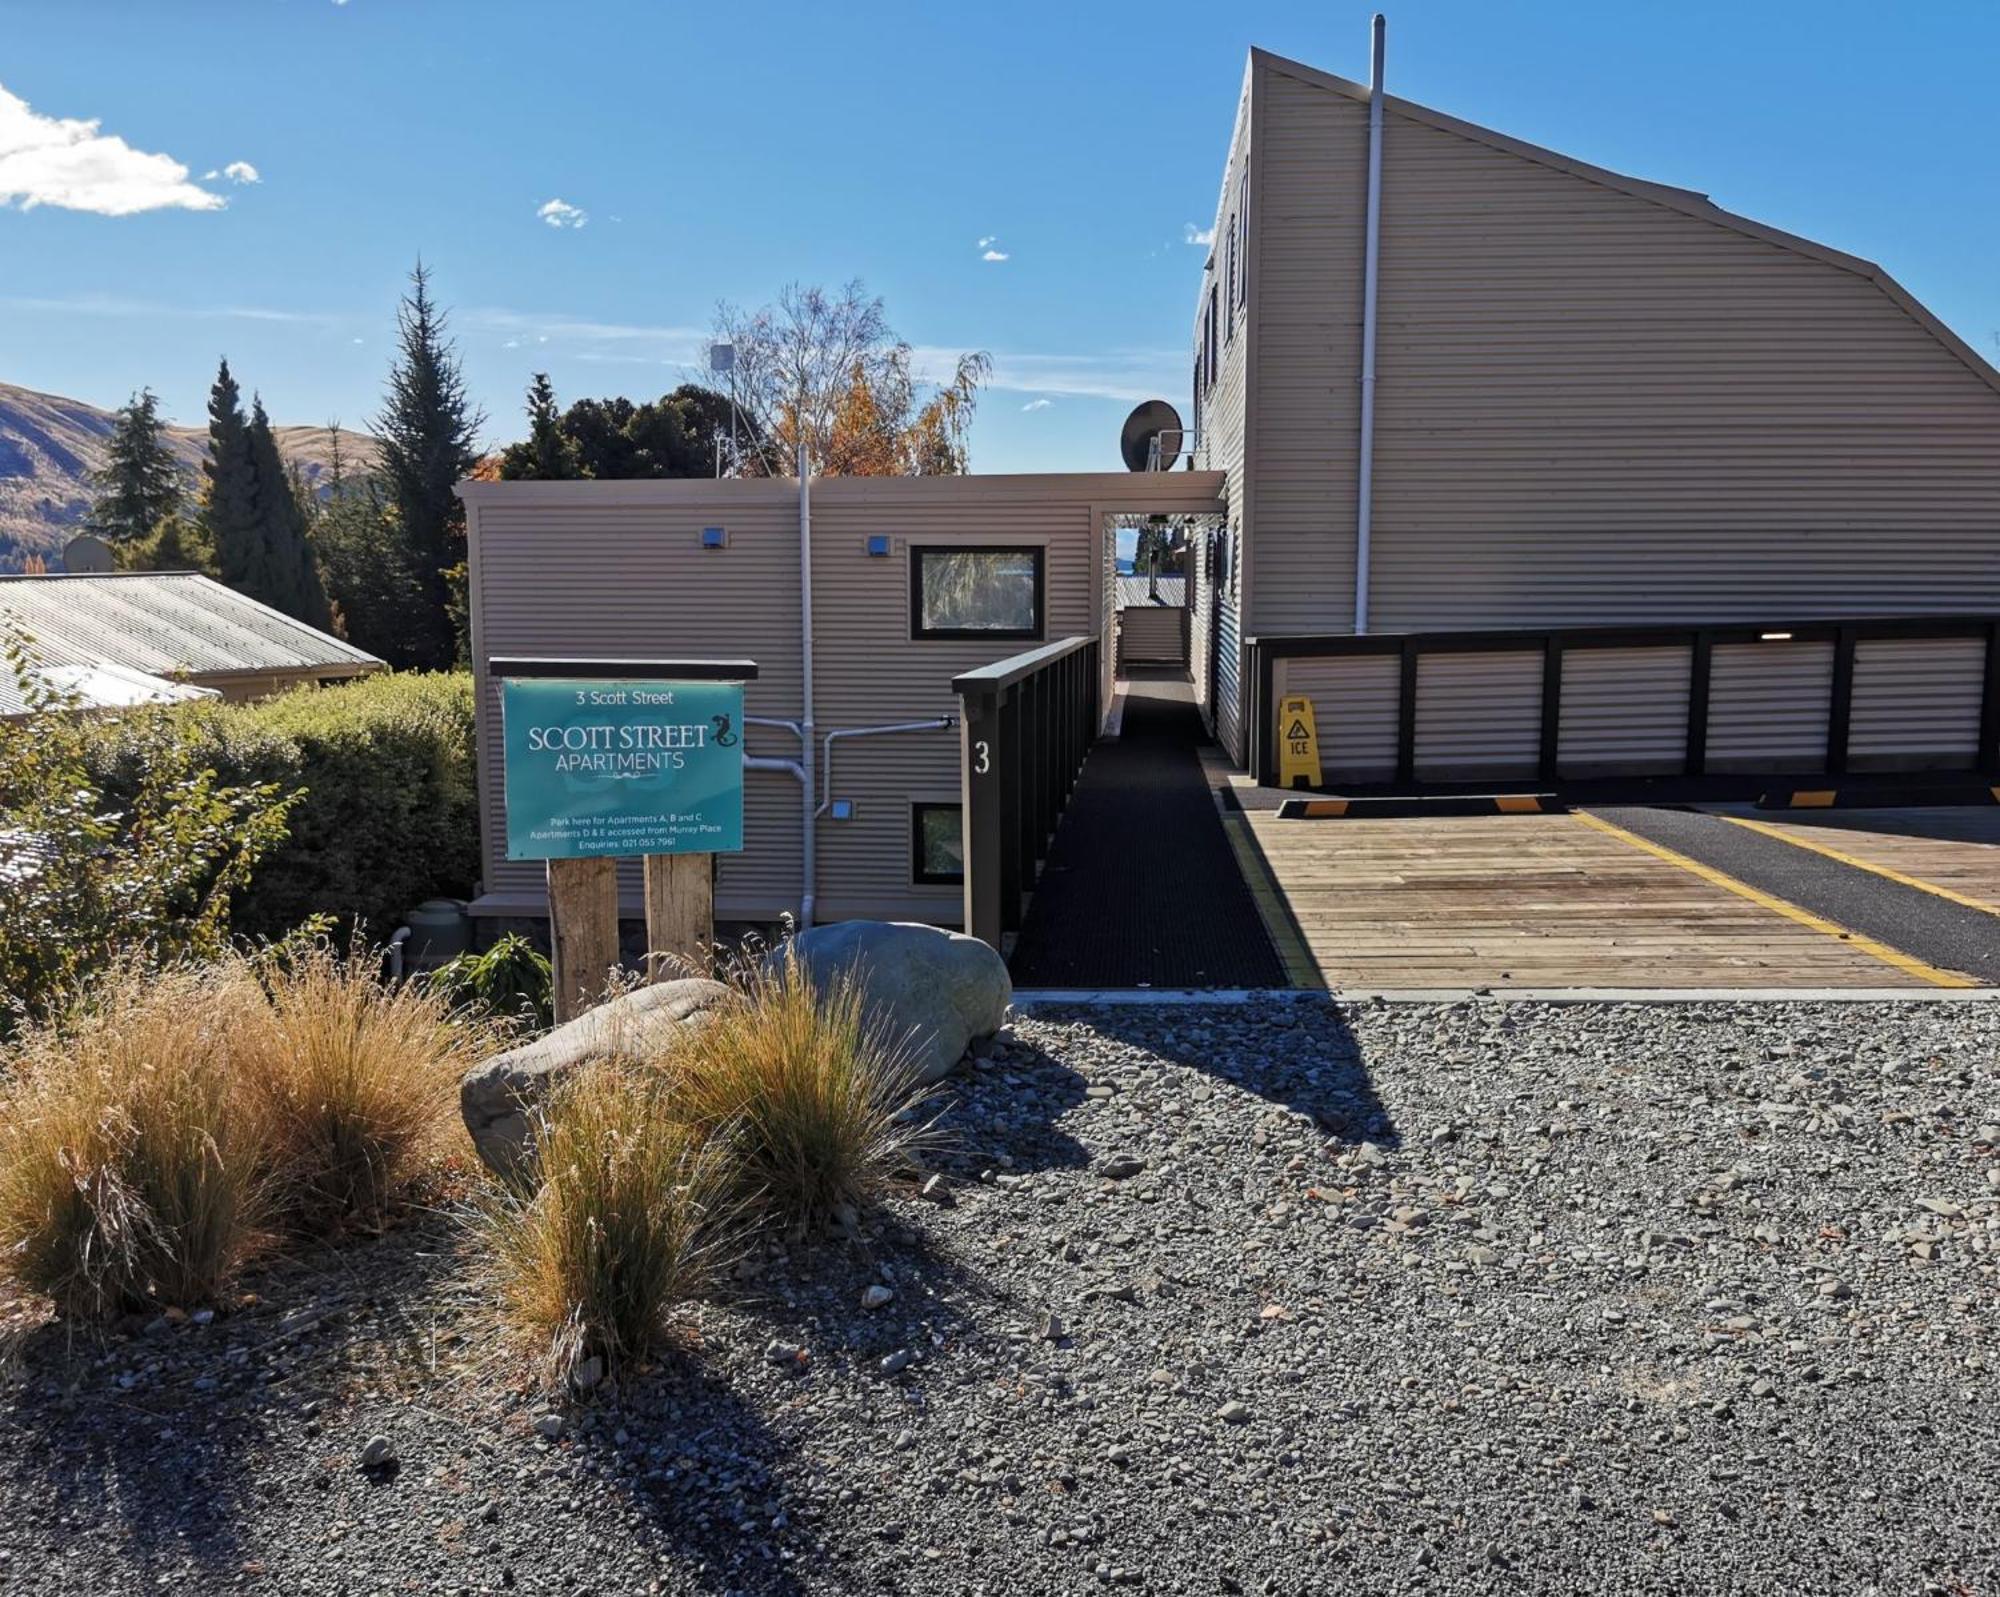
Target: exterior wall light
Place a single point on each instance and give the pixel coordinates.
(1775, 637)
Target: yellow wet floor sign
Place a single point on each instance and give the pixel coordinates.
(1298, 742)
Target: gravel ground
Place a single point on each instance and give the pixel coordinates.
(1291, 1298)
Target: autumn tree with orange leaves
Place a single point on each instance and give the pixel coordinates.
(826, 370)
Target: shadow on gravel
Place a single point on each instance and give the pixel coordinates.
(699, 1465)
(1296, 1053)
(1003, 1115)
(145, 1444)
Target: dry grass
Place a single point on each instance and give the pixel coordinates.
(130, 1178)
(625, 1225)
(810, 1104)
(355, 1085)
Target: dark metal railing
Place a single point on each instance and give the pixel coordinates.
(1026, 725)
(1699, 639)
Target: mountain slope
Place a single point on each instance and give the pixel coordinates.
(49, 446)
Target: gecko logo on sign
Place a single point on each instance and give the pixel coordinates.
(600, 768)
(1298, 743)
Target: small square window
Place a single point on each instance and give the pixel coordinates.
(714, 537)
(959, 591)
(937, 843)
(878, 543)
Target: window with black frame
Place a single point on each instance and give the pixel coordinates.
(937, 843)
(962, 591)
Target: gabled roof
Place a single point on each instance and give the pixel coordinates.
(1687, 201)
(175, 624)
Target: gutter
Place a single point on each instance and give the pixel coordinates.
(1364, 481)
(809, 819)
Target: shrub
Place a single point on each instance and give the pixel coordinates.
(624, 1226)
(807, 1099)
(129, 1177)
(354, 1083)
(88, 878)
(388, 815)
(510, 981)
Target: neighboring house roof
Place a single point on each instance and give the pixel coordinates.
(172, 624)
(1133, 592)
(1686, 201)
(104, 687)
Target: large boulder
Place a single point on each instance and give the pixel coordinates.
(931, 991)
(499, 1095)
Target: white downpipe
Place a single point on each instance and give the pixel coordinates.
(809, 837)
(935, 724)
(1364, 482)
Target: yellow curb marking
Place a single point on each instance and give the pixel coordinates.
(1864, 865)
(1906, 963)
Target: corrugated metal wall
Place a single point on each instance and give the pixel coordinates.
(1916, 703)
(1767, 706)
(1595, 406)
(1478, 715)
(615, 569)
(1624, 711)
(1152, 635)
(1354, 711)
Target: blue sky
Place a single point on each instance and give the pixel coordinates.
(719, 151)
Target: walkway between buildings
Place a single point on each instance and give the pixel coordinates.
(1140, 888)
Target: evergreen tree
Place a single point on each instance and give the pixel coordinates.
(176, 544)
(426, 431)
(139, 484)
(231, 519)
(549, 454)
(377, 598)
(290, 578)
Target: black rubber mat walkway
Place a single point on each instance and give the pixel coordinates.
(1951, 936)
(1141, 888)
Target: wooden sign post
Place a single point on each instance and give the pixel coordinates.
(610, 758)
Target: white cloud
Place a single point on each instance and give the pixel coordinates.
(1198, 235)
(1116, 374)
(242, 172)
(990, 250)
(995, 255)
(1038, 404)
(560, 213)
(69, 163)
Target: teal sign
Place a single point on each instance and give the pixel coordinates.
(622, 768)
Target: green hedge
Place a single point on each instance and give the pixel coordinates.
(390, 814)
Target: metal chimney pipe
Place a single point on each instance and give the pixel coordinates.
(1364, 482)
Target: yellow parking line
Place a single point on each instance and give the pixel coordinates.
(1865, 865)
(1906, 963)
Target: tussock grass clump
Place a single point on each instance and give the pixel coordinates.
(130, 1177)
(355, 1084)
(628, 1220)
(805, 1097)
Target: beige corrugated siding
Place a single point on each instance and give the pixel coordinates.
(1916, 703)
(615, 569)
(1625, 711)
(1310, 177)
(1593, 407)
(1479, 715)
(1768, 705)
(1354, 700)
(1152, 635)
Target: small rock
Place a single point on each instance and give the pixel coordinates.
(378, 1452)
(588, 1375)
(1233, 1413)
(937, 1191)
(1049, 1326)
(551, 1426)
(1121, 1167)
(898, 1361)
(877, 1296)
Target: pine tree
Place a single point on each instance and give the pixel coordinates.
(290, 578)
(231, 518)
(549, 454)
(426, 431)
(140, 483)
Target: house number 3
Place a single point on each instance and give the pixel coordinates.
(982, 758)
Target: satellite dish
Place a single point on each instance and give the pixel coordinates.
(1154, 419)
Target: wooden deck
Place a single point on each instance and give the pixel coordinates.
(1532, 901)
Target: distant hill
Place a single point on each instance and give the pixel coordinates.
(49, 446)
